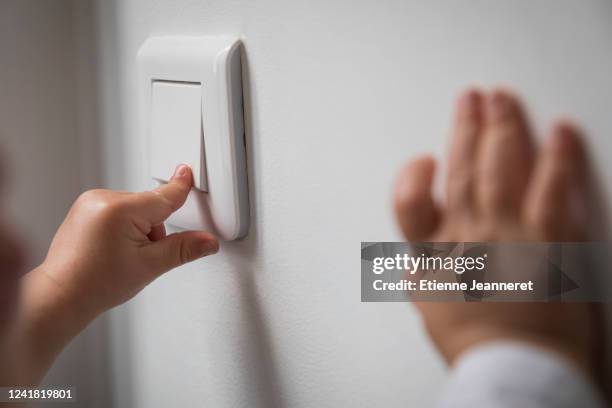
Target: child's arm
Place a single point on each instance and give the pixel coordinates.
(110, 246)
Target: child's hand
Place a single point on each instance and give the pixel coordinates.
(111, 245)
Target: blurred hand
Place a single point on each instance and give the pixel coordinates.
(110, 246)
(500, 187)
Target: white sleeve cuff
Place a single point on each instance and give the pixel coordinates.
(513, 374)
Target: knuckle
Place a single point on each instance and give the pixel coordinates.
(92, 195)
(410, 202)
(418, 225)
(499, 197)
(161, 196)
(184, 251)
(545, 221)
(487, 230)
(459, 191)
(101, 203)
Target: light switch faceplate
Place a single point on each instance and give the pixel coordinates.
(192, 113)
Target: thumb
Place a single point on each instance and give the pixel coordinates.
(415, 208)
(157, 205)
(180, 248)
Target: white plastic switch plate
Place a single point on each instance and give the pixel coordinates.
(191, 104)
(176, 130)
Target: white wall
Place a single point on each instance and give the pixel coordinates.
(340, 94)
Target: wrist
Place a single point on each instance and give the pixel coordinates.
(50, 315)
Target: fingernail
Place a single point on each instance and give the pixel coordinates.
(468, 102)
(209, 248)
(561, 139)
(498, 106)
(180, 171)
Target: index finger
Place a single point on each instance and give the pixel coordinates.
(157, 205)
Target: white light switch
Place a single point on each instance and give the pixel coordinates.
(192, 112)
(176, 130)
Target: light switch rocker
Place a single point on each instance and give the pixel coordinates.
(191, 104)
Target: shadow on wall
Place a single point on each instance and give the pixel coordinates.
(100, 119)
(242, 254)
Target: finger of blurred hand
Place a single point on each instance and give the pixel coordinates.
(415, 208)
